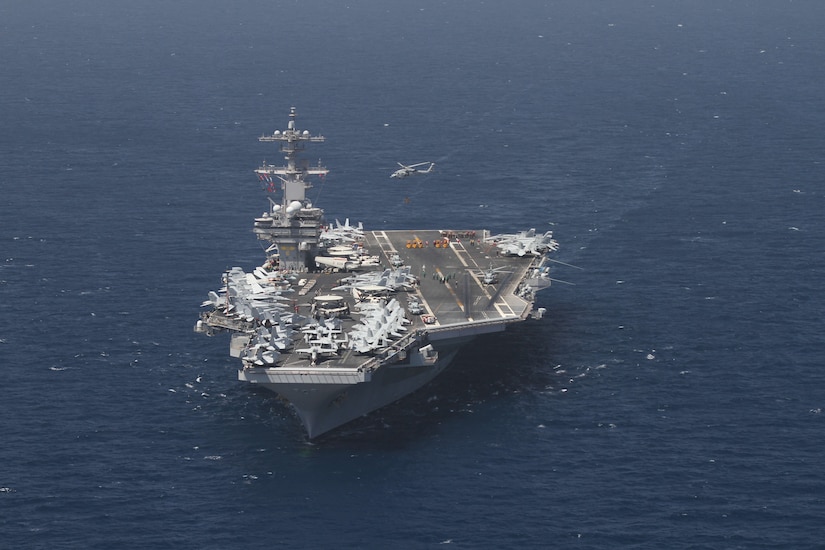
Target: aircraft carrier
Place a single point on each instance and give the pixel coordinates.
(340, 321)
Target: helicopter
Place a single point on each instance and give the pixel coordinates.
(490, 276)
(405, 170)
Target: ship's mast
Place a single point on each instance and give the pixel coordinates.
(292, 175)
(293, 225)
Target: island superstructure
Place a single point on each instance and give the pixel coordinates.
(341, 321)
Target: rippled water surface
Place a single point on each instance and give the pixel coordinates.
(671, 398)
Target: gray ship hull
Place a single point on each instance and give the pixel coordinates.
(324, 407)
(327, 400)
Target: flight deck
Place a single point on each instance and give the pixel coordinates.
(451, 274)
(462, 285)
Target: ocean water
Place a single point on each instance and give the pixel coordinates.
(672, 397)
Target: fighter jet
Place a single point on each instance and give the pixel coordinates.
(524, 242)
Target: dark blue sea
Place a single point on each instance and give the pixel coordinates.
(671, 398)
